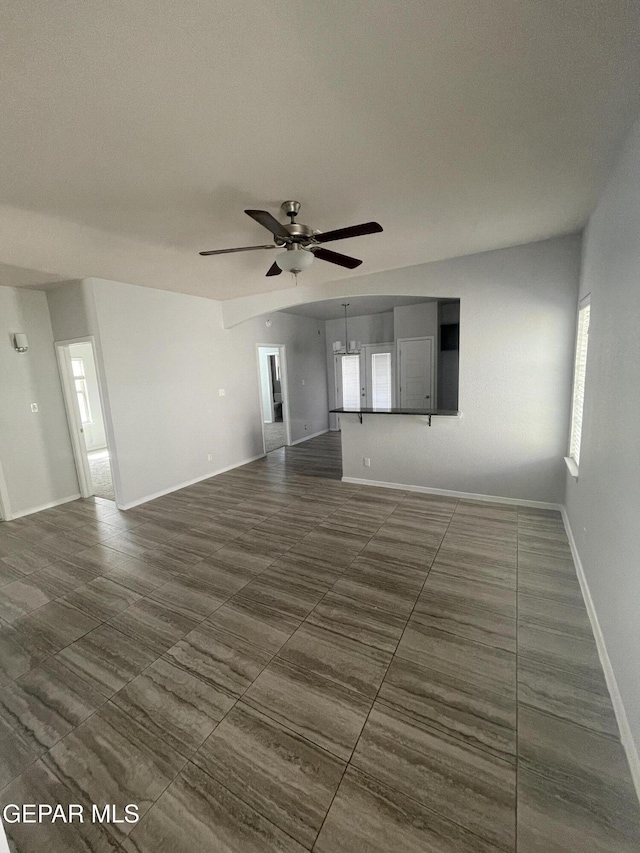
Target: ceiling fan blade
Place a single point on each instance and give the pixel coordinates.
(354, 231)
(241, 249)
(337, 258)
(274, 269)
(270, 223)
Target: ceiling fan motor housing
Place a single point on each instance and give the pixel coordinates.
(300, 233)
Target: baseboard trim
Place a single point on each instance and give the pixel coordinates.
(307, 437)
(448, 493)
(186, 483)
(626, 736)
(49, 505)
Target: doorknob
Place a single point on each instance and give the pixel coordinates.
(427, 397)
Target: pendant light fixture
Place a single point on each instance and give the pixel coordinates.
(349, 347)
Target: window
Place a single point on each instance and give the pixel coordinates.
(381, 380)
(351, 381)
(77, 366)
(580, 371)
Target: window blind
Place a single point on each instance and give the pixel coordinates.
(381, 380)
(351, 381)
(580, 372)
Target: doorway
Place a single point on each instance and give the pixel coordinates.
(85, 414)
(274, 407)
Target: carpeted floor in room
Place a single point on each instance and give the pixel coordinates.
(101, 478)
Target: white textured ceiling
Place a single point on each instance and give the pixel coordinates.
(358, 306)
(134, 132)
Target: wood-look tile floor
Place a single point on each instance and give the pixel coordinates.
(274, 660)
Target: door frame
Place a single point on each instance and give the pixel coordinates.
(5, 505)
(434, 372)
(76, 433)
(284, 387)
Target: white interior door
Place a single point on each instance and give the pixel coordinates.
(416, 373)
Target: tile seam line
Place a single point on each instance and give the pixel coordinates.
(569, 722)
(432, 728)
(381, 680)
(447, 819)
(355, 746)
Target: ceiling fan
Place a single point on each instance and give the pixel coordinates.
(300, 242)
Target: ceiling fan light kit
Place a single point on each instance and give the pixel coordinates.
(300, 242)
(294, 259)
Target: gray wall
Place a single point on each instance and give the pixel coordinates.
(517, 321)
(162, 357)
(366, 329)
(35, 449)
(603, 506)
(416, 321)
(165, 356)
(72, 310)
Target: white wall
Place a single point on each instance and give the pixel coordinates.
(603, 506)
(517, 322)
(164, 357)
(94, 434)
(35, 449)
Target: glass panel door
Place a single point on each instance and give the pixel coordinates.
(351, 381)
(381, 387)
(378, 387)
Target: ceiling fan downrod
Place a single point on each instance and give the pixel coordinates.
(290, 209)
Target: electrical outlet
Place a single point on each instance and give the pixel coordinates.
(221, 392)
(209, 457)
(306, 426)
(366, 462)
(34, 407)
(303, 381)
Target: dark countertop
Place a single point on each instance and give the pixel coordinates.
(363, 411)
